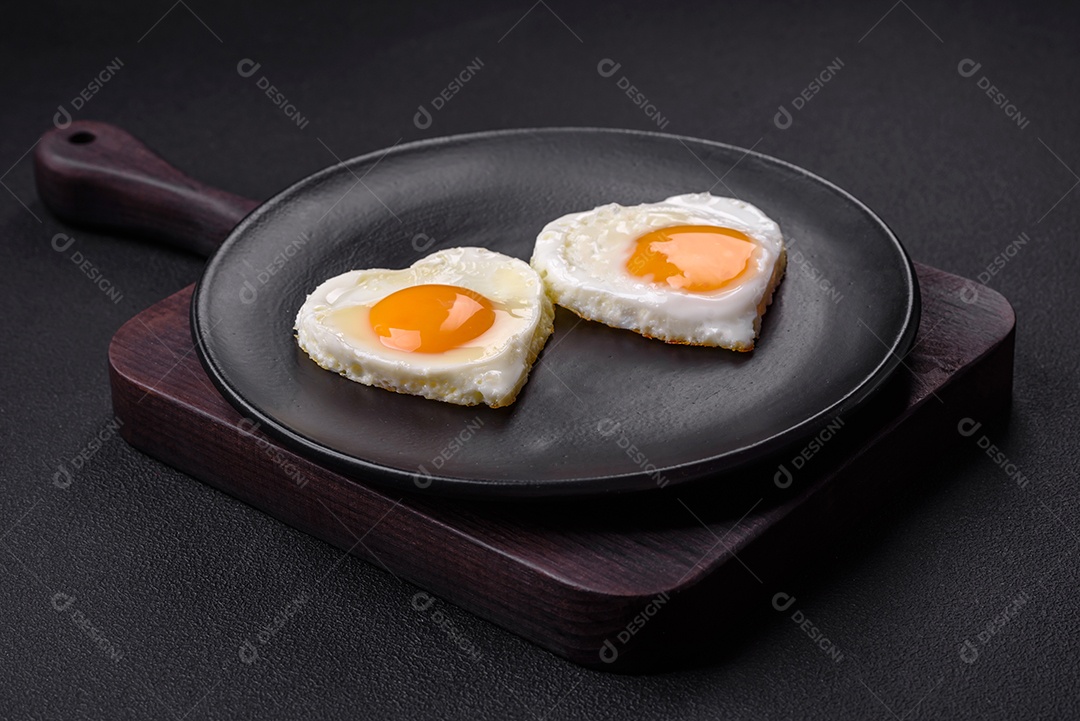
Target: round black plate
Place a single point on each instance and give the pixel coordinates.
(604, 410)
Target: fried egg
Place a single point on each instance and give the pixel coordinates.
(462, 325)
(695, 269)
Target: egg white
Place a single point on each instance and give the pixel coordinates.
(582, 260)
(490, 369)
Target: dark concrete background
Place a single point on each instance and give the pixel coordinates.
(173, 576)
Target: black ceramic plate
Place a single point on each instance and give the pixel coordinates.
(604, 410)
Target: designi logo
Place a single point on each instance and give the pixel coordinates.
(62, 601)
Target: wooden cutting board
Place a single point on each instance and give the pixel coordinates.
(624, 583)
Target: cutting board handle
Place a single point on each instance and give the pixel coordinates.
(96, 175)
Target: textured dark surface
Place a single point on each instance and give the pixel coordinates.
(176, 576)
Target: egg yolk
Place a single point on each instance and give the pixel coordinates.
(431, 318)
(697, 258)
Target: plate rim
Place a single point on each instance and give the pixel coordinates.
(363, 470)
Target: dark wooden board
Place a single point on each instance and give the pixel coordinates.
(627, 583)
